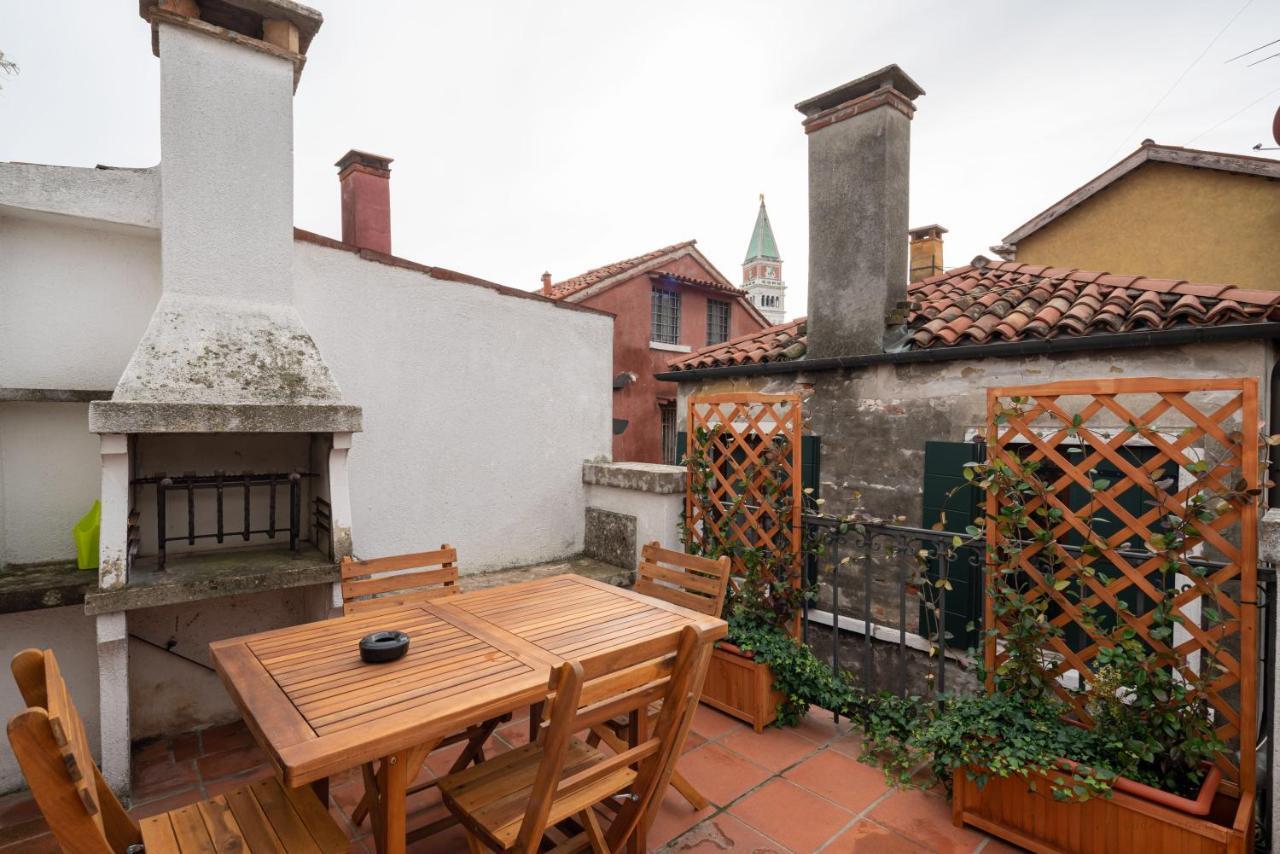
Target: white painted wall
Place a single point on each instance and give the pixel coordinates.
(479, 408)
(60, 279)
(48, 476)
(657, 515)
(71, 636)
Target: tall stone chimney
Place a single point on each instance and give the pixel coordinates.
(926, 251)
(859, 162)
(366, 200)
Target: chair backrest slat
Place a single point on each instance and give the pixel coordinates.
(667, 668)
(52, 747)
(690, 581)
(385, 582)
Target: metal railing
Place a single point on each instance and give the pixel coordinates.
(881, 608)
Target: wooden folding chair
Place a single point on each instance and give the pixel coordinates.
(510, 802)
(399, 580)
(697, 583)
(385, 582)
(85, 816)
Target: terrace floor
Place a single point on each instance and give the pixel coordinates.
(798, 789)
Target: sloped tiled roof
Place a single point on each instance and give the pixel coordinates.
(1008, 301)
(701, 283)
(768, 345)
(569, 286)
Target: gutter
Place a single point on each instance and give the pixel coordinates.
(1005, 349)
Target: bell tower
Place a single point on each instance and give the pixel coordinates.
(762, 270)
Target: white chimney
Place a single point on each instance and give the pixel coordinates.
(226, 349)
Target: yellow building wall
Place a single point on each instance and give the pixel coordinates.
(1169, 221)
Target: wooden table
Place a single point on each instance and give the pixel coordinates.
(317, 709)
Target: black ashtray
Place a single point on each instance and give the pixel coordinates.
(381, 647)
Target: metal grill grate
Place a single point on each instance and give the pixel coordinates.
(665, 325)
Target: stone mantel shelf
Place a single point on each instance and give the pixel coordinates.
(209, 575)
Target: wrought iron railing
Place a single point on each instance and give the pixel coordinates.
(881, 609)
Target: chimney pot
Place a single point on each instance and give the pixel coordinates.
(366, 200)
(926, 251)
(546, 284)
(859, 164)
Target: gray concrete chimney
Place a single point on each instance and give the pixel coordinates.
(859, 165)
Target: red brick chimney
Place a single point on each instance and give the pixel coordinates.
(546, 284)
(366, 200)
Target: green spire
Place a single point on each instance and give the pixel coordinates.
(762, 243)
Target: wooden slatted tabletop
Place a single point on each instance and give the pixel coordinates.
(317, 709)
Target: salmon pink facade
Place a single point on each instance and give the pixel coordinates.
(665, 303)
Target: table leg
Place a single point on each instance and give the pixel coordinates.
(321, 788)
(393, 783)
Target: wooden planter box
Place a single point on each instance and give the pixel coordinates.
(738, 685)
(1007, 808)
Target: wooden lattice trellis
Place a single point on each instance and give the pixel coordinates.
(1201, 436)
(752, 494)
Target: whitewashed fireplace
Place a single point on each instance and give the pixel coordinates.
(224, 444)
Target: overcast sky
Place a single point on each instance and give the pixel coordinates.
(565, 135)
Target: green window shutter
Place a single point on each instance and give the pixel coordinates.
(682, 443)
(948, 499)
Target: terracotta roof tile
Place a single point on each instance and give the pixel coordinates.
(562, 289)
(1007, 301)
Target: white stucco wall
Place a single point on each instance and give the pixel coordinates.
(657, 515)
(479, 408)
(227, 174)
(49, 476)
(74, 300)
(70, 634)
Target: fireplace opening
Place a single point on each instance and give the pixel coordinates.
(240, 497)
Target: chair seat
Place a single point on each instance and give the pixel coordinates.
(260, 816)
(490, 799)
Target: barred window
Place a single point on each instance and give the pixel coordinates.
(717, 321)
(665, 321)
(668, 412)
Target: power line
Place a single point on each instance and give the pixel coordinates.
(1255, 50)
(1264, 59)
(1181, 77)
(1232, 116)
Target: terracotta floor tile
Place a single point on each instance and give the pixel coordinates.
(850, 745)
(819, 726)
(774, 748)
(793, 816)
(17, 809)
(186, 746)
(230, 762)
(347, 796)
(691, 741)
(997, 846)
(674, 817)
(45, 844)
(150, 750)
(726, 833)
(848, 782)
(868, 837)
(515, 734)
(162, 776)
(720, 774)
(926, 819)
(710, 724)
(18, 830)
(216, 739)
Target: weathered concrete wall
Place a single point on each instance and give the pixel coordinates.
(169, 694)
(874, 421)
(479, 408)
(59, 281)
(48, 477)
(70, 634)
(650, 493)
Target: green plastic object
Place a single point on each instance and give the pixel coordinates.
(86, 535)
